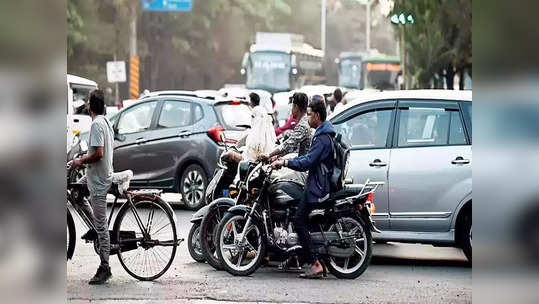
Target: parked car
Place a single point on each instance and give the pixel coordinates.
(419, 142)
(172, 141)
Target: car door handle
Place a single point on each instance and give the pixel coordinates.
(377, 163)
(185, 133)
(460, 161)
(140, 140)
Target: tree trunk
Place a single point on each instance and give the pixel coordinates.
(450, 77)
(461, 79)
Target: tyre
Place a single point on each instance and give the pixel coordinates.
(192, 186)
(71, 235)
(208, 236)
(144, 258)
(240, 260)
(352, 267)
(193, 243)
(465, 236)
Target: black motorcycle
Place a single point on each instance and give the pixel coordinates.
(220, 189)
(340, 229)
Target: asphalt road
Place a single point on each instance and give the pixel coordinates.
(398, 273)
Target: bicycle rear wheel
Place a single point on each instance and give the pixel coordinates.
(145, 257)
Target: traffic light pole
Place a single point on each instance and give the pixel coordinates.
(403, 57)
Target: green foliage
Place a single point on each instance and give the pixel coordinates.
(74, 27)
(439, 40)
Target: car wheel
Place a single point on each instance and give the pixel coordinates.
(193, 182)
(466, 236)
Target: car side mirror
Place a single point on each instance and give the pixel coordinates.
(119, 137)
(348, 181)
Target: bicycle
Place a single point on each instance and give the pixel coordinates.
(144, 232)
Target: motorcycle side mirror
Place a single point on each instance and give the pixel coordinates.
(348, 181)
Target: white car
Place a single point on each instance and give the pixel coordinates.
(78, 93)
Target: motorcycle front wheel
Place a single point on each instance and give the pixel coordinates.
(240, 256)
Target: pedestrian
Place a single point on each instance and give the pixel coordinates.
(298, 139)
(318, 162)
(99, 178)
(334, 100)
(341, 104)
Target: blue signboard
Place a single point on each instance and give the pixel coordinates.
(167, 5)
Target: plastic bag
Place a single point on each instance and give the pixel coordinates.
(261, 138)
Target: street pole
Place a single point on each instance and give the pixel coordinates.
(323, 27)
(133, 33)
(368, 26)
(403, 58)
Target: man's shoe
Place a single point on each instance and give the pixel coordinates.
(90, 235)
(102, 275)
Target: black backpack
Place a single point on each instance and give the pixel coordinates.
(341, 153)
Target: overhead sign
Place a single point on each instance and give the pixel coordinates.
(167, 5)
(116, 71)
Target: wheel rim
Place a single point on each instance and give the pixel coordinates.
(193, 188)
(195, 240)
(353, 263)
(236, 256)
(148, 261)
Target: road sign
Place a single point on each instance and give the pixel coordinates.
(167, 5)
(116, 71)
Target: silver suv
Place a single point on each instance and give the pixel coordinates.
(419, 142)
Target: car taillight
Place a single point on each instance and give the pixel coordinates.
(215, 133)
(235, 102)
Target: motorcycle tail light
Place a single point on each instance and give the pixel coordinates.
(369, 203)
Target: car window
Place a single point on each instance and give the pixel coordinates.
(467, 111)
(456, 130)
(429, 126)
(234, 115)
(175, 114)
(199, 114)
(137, 118)
(366, 130)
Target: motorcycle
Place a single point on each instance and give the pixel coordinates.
(218, 189)
(340, 228)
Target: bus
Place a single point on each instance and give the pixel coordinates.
(380, 73)
(349, 69)
(280, 62)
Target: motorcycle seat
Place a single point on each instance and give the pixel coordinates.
(347, 191)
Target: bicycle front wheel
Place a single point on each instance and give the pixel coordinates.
(146, 236)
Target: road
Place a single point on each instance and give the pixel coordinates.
(398, 273)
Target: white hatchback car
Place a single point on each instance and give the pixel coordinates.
(419, 142)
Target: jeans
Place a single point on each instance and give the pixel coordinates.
(300, 223)
(98, 215)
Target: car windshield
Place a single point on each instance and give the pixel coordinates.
(268, 71)
(233, 115)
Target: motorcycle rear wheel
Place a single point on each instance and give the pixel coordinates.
(341, 267)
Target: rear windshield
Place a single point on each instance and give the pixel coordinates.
(233, 115)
